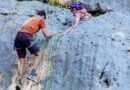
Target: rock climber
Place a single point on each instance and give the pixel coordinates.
(24, 40)
(80, 12)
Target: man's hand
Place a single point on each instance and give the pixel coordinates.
(61, 34)
(49, 35)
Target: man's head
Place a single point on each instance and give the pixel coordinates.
(41, 13)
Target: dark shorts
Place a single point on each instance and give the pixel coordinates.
(25, 41)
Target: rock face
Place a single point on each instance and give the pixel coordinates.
(117, 5)
(92, 57)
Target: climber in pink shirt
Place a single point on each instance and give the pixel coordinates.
(80, 13)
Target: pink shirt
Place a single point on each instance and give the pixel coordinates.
(82, 14)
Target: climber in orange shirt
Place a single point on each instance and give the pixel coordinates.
(79, 12)
(24, 40)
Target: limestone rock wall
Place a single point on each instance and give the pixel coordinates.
(117, 5)
(92, 57)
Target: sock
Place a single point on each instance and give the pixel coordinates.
(33, 72)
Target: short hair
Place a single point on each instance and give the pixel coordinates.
(77, 5)
(41, 13)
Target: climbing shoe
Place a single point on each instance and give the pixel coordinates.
(32, 76)
(18, 84)
(33, 72)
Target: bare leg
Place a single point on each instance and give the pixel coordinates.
(21, 67)
(37, 60)
(36, 63)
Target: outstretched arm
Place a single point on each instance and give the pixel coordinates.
(76, 20)
(46, 33)
(73, 26)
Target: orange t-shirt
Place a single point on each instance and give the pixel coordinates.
(33, 25)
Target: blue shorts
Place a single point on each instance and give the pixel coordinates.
(25, 41)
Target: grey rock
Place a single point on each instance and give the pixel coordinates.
(117, 5)
(92, 57)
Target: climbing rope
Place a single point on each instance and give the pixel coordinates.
(53, 43)
(51, 47)
(49, 67)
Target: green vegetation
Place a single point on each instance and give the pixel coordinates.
(14, 13)
(52, 2)
(60, 4)
(97, 12)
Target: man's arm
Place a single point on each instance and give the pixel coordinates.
(46, 33)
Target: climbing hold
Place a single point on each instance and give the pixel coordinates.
(118, 36)
(128, 49)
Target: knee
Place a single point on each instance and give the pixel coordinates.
(38, 54)
(22, 61)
